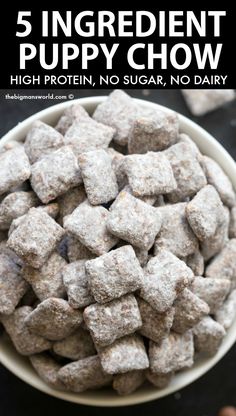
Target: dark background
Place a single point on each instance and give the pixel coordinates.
(207, 395)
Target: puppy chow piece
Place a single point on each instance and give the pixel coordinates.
(149, 174)
(173, 354)
(223, 265)
(112, 320)
(225, 315)
(208, 335)
(84, 374)
(119, 111)
(15, 205)
(35, 237)
(76, 250)
(196, 263)
(129, 382)
(86, 135)
(164, 278)
(175, 234)
(158, 380)
(14, 168)
(53, 319)
(51, 209)
(73, 113)
(212, 291)
(216, 177)
(71, 200)
(116, 163)
(187, 171)
(114, 274)
(153, 133)
(12, 285)
(186, 139)
(88, 224)
(232, 225)
(125, 354)
(204, 212)
(76, 282)
(134, 221)
(24, 341)
(189, 310)
(76, 346)
(213, 245)
(203, 101)
(41, 140)
(98, 176)
(55, 174)
(47, 281)
(155, 326)
(47, 369)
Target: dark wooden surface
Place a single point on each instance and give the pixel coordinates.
(203, 398)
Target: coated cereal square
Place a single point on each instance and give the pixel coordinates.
(47, 281)
(153, 133)
(98, 176)
(187, 171)
(53, 319)
(12, 285)
(119, 111)
(204, 212)
(149, 174)
(25, 342)
(76, 282)
(87, 134)
(173, 354)
(88, 224)
(55, 174)
(129, 382)
(125, 354)
(134, 221)
(76, 346)
(189, 310)
(41, 140)
(74, 112)
(208, 335)
(35, 237)
(155, 326)
(114, 274)
(15, 205)
(164, 278)
(212, 291)
(223, 265)
(176, 234)
(47, 369)
(84, 374)
(217, 177)
(14, 168)
(112, 320)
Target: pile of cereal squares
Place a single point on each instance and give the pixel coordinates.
(118, 248)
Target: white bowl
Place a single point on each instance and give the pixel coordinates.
(20, 366)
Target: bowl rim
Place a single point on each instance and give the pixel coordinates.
(185, 378)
